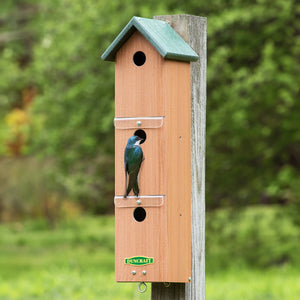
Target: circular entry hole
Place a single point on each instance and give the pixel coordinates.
(139, 58)
(139, 214)
(142, 134)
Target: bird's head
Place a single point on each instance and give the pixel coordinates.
(134, 140)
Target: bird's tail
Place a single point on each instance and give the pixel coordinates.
(133, 184)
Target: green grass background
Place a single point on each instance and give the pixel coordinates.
(76, 261)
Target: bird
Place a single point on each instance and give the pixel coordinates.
(133, 158)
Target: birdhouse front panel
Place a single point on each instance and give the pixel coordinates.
(163, 237)
(151, 175)
(152, 153)
(138, 76)
(141, 244)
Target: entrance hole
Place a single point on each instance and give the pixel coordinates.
(139, 58)
(139, 214)
(142, 134)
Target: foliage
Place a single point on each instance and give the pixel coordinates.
(18, 123)
(76, 95)
(11, 77)
(29, 189)
(256, 237)
(253, 104)
(76, 260)
(253, 148)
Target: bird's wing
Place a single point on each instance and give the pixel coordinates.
(135, 168)
(134, 159)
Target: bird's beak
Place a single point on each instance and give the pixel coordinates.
(138, 140)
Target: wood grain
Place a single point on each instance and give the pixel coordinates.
(176, 291)
(177, 106)
(147, 238)
(151, 176)
(158, 90)
(193, 30)
(138, 88)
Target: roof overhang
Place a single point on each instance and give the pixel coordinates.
(159, 34)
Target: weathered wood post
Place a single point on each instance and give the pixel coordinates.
(193, 30)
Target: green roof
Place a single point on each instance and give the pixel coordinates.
(159, 34)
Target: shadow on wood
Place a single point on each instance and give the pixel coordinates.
(173, 292)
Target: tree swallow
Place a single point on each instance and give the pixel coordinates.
(133, 157)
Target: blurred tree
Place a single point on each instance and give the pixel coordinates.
(16, 40)
(253, 137)
(17, 121)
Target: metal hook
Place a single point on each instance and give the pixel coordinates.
(145, 287)
(167, 284)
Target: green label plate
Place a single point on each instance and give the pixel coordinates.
(139, 260)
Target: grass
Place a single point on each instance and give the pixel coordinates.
(274, 284)
(76, 261)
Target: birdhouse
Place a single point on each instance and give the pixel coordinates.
(152, 104)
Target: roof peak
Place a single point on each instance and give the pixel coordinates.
(159, 34)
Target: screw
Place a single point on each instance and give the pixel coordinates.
(138, 202)
(138, 123)
(133, 272)
(144, 272)
(190, 278)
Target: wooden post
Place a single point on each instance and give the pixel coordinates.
(193, 30)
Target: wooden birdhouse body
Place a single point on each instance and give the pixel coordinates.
(152, 97)
(138, 85)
